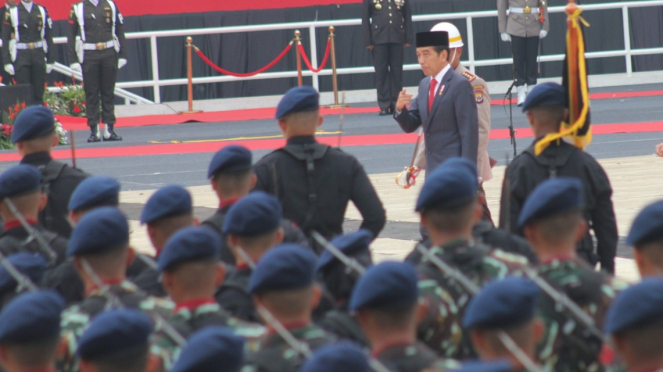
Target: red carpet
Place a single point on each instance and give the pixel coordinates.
(347, 141)
(72, 123)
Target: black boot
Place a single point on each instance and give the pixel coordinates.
(112, 135)
(94, 136)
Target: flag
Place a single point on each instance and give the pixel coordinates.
(574, 79)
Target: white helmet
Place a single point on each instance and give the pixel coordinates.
(455, 40)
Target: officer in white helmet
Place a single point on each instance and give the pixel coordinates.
(482, 98)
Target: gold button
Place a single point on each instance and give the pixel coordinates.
(389, 14)
(389, 8)
(526, 17)
(390, 22)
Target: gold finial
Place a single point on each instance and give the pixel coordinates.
(571, 7)
(331, 28)
(189, 40)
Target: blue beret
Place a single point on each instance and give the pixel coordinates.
(343, 356)
(637, 306)
(168, 201)
(446, 187)
(385, 286)
(114, 331)
(545, 94)
(486, 366)
(502, 303)
(284, 267)
(230, 158)
(33, 122)
(19, 180)
(253, 215)
(212, 349)
(551, 198)
(348, 244)
(94, 192)
(189, 244)
(298, 99)
(99, 231)
(462, 163)
(647, 226)
(31, 317)
(31, 265)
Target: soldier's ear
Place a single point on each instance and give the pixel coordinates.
(254, 179)
(422, 309)
(539, 329)
(220, 274)
(316, 296)
(43, 200)
(321, 119)
(280, 234)
(582, 229)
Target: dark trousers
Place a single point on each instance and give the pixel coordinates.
(524, 51)
(99, 75)
(388, 62)
(30, 68)
(6, 78)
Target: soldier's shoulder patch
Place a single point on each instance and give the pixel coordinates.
(7, 16)
(469, 76)
(478, 96)
(478, 87)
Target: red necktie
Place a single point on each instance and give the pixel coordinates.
(431, 96)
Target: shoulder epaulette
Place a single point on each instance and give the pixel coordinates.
(469, 76)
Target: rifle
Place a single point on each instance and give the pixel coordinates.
(347, 261)
(472, 288)
(22, 280)
(300, 347)
(512, 132)
(50, 254)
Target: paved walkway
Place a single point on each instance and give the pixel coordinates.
(636, 182)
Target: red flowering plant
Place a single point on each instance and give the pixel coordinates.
(7, 125)
(66, 99)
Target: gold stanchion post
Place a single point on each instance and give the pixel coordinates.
(299, 57)
(189, 68)
(334, 76)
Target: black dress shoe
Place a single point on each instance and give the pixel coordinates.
(391, 109)
(93, 138)
(113, 136)
(384, 112)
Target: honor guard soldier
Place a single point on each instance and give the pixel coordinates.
(508, 305)
(545, 111)
(315, 182)
(97, 48)
(283, 285)
(387, 31)
(34, 136)
(190, 271)
(524, 23)
(635, 323)
(30, 332)
(449, 210)
(30, 265)
(116, 341)
(552, 219)
(386, 301)
(212, 349)
(20, 187)
(342, 356)
(339, 280)
(99, 247)
(27, 38)
(646, 237)
(5, 78)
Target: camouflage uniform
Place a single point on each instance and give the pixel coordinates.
(212, 314)
(441, 328)
(273, 354)
(413, 358)
(567, 346)
(345, 326)
(76, 319)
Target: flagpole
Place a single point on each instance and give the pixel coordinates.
(572, 66)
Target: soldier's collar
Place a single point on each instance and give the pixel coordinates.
(301, 140)
(457, 243)
(390, 345)
(106, 283)
(558, 257)
(13, 224)
(192, 305)
(292, 326)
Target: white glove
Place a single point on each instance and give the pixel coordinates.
(121, 63)
(49, 68)
(76, 67)
(543, 34)
(506, 37)
(10, 69)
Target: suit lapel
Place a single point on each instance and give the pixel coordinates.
(441, 91)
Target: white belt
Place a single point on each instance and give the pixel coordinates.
(526, 10)
(35, 45)
(98, 46)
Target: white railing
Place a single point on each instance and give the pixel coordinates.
(472, 63)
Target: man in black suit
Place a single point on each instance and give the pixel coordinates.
(4, 75)
(445, 105)
(387, 30)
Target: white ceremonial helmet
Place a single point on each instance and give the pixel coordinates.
(455, 40)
